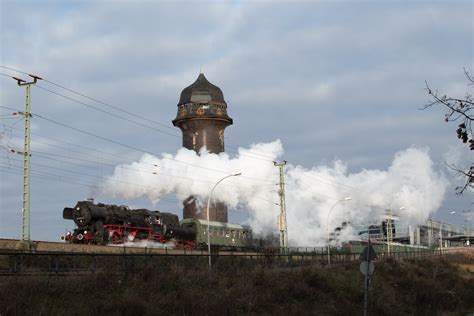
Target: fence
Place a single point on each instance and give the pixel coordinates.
(31, 263)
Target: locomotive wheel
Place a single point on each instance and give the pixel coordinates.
(142, 235)
(101, 237)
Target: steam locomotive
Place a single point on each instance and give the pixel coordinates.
(114, 224)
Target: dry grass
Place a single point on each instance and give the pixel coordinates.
(418, 287)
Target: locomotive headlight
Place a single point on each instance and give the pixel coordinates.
(78, 208)
(85, 232)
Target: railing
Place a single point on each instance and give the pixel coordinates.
(31, 263)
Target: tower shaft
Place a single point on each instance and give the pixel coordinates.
(202, 118)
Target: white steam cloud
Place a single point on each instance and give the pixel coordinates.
(409, 182)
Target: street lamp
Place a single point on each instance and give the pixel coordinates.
(467, 224)
(207, 214)
(327, 225)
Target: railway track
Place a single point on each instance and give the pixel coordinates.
(62, 247)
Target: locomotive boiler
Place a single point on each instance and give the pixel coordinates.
(104, 223)
(115, 224)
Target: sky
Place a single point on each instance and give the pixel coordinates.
(334, 88)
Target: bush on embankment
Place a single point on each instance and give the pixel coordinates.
(421, 287)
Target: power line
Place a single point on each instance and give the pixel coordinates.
(91, 150)
(95, 100)
(141, 150)
(58, 179)
(107, 112)
(132, 121)
(250, 153)
(101, 102)
(55, 177)
(257, 179)
(129, 146)
(158, 173)
(327, 181)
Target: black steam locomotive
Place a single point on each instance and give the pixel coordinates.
(113, 224)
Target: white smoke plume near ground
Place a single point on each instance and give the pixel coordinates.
(409, 182)
(146, 244)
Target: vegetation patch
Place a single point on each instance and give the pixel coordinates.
(413, 287)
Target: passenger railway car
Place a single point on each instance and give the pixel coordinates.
(222, 234)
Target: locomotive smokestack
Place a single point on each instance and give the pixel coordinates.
(202, 118)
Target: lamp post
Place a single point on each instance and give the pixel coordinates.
(468, 214)
(327, 226)
(207, 214)
(467, 225)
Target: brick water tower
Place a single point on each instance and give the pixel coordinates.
(202, 117)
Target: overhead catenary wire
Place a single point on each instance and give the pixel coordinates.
(257, 179)
(59, 177)
(132, 147)
(295, 186)
(109, 113)
(62, 180)
(42, 155)
(334, 183)
(132, 121)
(248, 154)
(90, 152)
(70, 181)
(93, 99)
(117, 108)
(150, 172)
(54, 157)
(328, 181)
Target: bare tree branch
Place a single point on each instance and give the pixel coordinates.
(458, 109)
(469, 174)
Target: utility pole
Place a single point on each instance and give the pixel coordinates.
(25, 241)
(389, 229)
(390, 226)
(282, 217)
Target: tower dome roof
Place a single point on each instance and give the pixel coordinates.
(201, 91)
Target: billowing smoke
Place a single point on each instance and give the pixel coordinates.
(146, 244)
(410, 182)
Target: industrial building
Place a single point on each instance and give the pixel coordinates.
(432, 234)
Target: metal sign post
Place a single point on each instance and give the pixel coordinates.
(367, 268)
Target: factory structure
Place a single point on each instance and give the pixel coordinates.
(202, 117)
(431, 233)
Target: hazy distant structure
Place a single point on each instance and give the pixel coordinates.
(202, 117)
